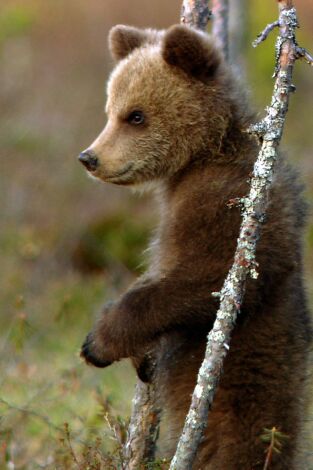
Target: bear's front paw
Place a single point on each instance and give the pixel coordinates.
(90, 353)
(145, 367)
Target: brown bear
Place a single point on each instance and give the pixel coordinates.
(177, 118)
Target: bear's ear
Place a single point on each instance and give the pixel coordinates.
(124, 39)
(192, 51)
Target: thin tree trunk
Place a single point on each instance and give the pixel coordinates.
(237, 35)
(231, 295)
(143, 427)
(220, 10)
(196, 13)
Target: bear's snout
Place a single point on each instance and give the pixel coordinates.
(89, 160)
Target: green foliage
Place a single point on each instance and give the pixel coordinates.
(275, 440)
(44, 321)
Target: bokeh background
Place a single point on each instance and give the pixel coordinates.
(67, 244)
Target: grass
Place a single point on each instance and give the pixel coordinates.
(44, 384)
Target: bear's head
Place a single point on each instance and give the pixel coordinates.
(166, 105)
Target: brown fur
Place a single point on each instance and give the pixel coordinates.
(193, 145)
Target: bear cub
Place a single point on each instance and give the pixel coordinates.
(177, 118)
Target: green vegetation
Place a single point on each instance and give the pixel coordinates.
(44, 384)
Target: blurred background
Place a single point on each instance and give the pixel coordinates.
(67, 243)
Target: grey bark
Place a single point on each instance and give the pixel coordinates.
(195, 13)
(220, 10)
(143, 427)
(237, 35)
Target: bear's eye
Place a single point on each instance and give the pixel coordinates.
(135, 118)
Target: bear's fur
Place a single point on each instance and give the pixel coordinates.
(176, 117)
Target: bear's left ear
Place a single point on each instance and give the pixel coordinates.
(192, 51)
(124, 39)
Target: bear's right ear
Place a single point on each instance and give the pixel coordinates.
(124, 39)
(192, 51)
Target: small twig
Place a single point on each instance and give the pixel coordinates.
(270, 450)
(115, 429)
(70, 447)
(275, 439)
(299, 52)
(263, 35)
(303, 54)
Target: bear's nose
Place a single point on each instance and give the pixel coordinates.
(89, 160)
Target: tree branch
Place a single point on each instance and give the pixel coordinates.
(231, 295)
(263, 35)
(303, 54)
